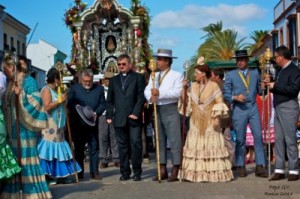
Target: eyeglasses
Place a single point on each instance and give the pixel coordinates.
(122, 64)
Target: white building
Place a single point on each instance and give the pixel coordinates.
(44, 56)
(287, 26)
(13, 34)
(13, 39)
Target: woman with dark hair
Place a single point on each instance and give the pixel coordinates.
(205, 157)
(22, 92)
(54, 152)
(8, 163)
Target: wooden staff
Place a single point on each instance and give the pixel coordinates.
(60, 67)
(183, 132)
(152, 67)
(18, 130)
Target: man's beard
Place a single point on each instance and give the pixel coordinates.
(87, 87)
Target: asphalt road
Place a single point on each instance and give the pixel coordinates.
(110, 187)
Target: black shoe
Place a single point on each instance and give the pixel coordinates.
(80, 176)
(277, 176)
(241, 171)
(137, 178)
(96, 176)
(293, 177)
(260, 171)
(103, 165)
(124, 178)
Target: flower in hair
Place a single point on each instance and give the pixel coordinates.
(200, 60)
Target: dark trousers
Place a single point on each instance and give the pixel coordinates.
(83, 135)
(107, 141)
(130, 147)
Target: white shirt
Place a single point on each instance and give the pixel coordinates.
(169, 90)
(105, 95)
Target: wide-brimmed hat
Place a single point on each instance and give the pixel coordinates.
(87, 114)
(240, 53)
(164, 53)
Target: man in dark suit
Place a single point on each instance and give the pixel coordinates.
(86, 94)
(285, 89)
(240, 89)
(125, 99)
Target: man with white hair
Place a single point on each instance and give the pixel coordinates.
(86, 94)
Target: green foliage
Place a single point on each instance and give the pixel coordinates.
(256, 37)
(219, 44)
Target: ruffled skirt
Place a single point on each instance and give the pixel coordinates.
(205, 157)
(8, 164)
(56, 159)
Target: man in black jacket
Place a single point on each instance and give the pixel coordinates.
(125, 99)
(285, 89)
(86, 94)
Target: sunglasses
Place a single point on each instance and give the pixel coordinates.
(122, 64)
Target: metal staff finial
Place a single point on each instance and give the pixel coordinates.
(186, 67)
(268, 54)
(59, 66)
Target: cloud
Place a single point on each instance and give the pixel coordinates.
(166, 42)
(196, 17)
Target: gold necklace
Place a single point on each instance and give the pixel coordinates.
(160, 79)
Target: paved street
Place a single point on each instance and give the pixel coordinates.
(110, 187)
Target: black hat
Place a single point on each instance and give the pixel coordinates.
(87, 114)
(240, 53)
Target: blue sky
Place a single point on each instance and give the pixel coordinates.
(176, 24)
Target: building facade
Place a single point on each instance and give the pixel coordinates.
(44, 56)
(13, 34)
(287, 26)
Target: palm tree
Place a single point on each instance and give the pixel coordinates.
(219, 44)
(211, 29)
(257, 37)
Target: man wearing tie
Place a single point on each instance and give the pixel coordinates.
(125, 100)
(240, 89)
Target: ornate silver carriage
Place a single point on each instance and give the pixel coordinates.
(104, 31)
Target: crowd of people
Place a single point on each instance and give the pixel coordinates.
(109, 119)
